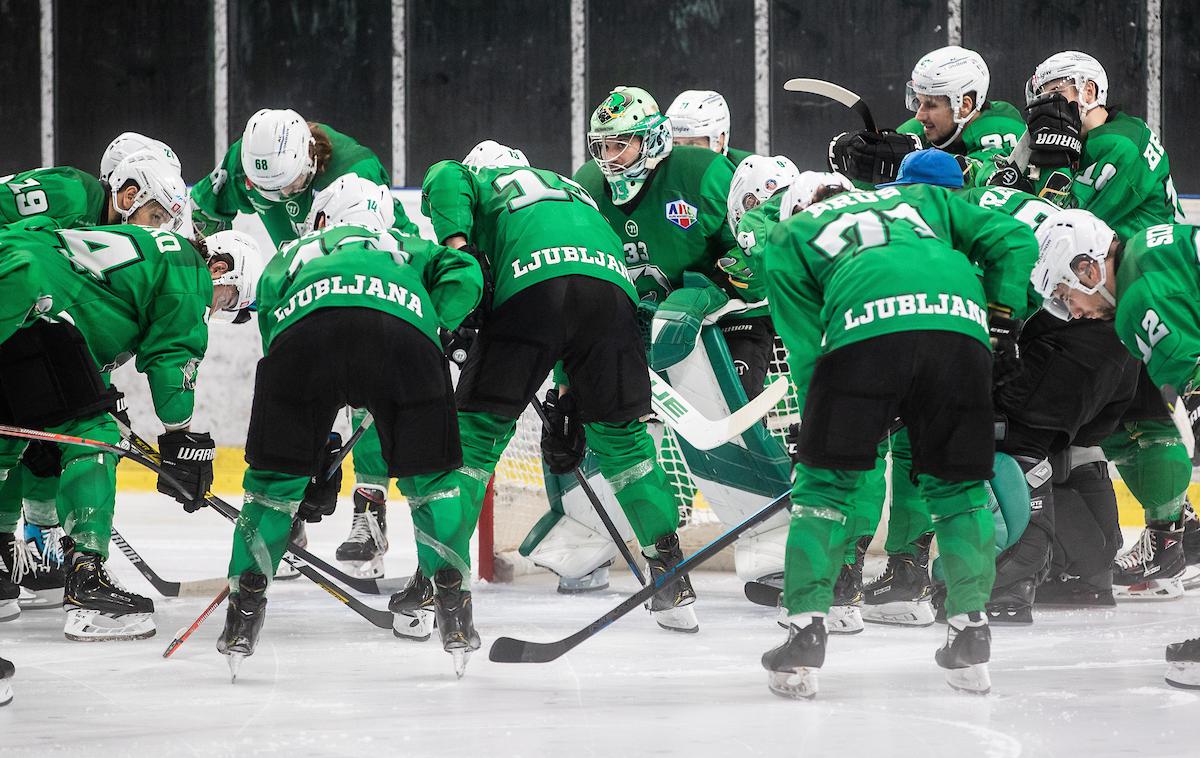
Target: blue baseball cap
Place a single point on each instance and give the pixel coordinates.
(930, 166)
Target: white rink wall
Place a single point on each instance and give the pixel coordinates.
(226, 383)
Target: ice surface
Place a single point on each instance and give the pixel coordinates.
(324, 682)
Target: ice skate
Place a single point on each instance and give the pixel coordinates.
(1183, 664)
(671, 607)
(1066, 591)
(299, 537)
(6, 675)
(901, 595)
(99, 609)
(413, 609)
(452, 605)
(42, 574)
(10, 592)
(1191, 548)
(845, 616)
(792, 667)
(593, 582)
(1154, 567)
(243, 620)
(966, 653)
(362, 552)
(1012, 604)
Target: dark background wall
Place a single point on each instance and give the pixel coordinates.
(503, 70)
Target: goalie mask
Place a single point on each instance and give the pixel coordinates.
(701, 113)
(491, 154)
(277, 154)
(1078, 69)
(240, 253)
(627, 116)
(799, 194)
(127, 144)
(1067, 241)
(756, 179)
(157, 182)
(950, 72)
(353, 201)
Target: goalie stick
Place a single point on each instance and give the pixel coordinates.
(700, 431)
(510, 650)
(164, 587)
(834, 92)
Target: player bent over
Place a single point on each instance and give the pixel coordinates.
(871, 283)
(369, 302)
(561, 294)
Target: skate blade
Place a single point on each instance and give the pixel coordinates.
(903, 613)
(973, 679)
(36, 600)
(681, 618)
(1010, 617)
(235, 665)
(844, 619)
(1154, 589)
(460, 655)
(9, 610)
(6, 695)
(1191, 577)
(416, 626)
(799, 684)
(372, 569)
(286, 572)
(84, 625)
(1184, 675)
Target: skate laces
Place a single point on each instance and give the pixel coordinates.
(1140, 554)
(31, 557)
(365, 528)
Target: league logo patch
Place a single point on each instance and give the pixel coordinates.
(681, 213)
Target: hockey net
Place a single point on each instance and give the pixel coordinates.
(517, 497)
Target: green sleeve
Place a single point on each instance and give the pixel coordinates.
(1003, 247)
(452, 278)
(1159, 323)
(1115, 184)
(448, 197)
(796, 303)
(714, 194)
(912, 126)
(173, 344)
(744, 265)
(271, 288)
(218, 197)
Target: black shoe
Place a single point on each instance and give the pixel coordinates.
(452, 606)
(845, 615)
(1012, 604)
(1075, 592)
(97, 607)
(671, 606)
(9, 591)
(902, 593)
(244, 619)
(1155, 564)
(793, 665)
(365, 547)
(413, 609)
(966, 653)
(1183, 664)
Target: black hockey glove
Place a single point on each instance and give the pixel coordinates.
(563, 438)
(1004, 330)
(1054, 128)
(457, 344)
(479, 316)
(43, 459)
(1009, 175)
(872, 157)
(320, 496)
(121, 411)
(791, 441)
(188, 458)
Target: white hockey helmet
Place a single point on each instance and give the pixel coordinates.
(127, 144)
(157, 181)
(240, 252)
(491, 154)
(1063, 239)
(1079, 68)
(353, 201)
(799, 194)
(756, 179)
(277, 151)
(951, 72)
(701, 113)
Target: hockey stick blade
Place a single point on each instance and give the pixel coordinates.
(510, 650)
(834, 92)
(165, 587)
(702, 432)
(762, 594)
(1179, 417)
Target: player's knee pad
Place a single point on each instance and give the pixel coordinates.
(1009, 490)
(1029, 556)
(49, 377)
(1087, 534)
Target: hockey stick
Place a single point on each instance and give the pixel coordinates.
(1179, 417)
(164, 587)
(510, 650)
(182, 635)
(760, 593)
(834, 92)
(700, 431)
(354, 438)
(595, 501)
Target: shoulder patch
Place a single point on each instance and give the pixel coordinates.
(681, 213)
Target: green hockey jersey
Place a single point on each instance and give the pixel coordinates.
(69, 196)
(1125, 176)
(675, 223)
(1158, 302)
(130, 290)
(863, 264)
(413, 279)
(532, 224)
(998, 126)
(744, 265)
(736, 156)
(220, 196)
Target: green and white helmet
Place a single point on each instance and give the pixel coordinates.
(628, 114)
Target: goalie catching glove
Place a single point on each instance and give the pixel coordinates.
(1054, 128)
(563, 439)
(187, 457)
(871, 157)
(320, 496)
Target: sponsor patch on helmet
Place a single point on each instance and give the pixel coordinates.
(681, 213)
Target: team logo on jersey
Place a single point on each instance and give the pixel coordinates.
(681, 213)
(293, 208)
(631, 228)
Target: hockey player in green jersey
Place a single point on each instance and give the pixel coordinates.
(75, 304)
(881, 314)
(355, 275)
(701, 118)
(562, 293)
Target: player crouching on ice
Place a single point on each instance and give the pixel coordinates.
(1155, 305)
(354, 276)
